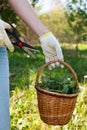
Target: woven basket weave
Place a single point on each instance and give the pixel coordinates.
(55, 108)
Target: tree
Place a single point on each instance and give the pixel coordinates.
(56, 22)
(76, 11)
(33, 2)
(8, 14)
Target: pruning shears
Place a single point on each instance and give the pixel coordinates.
(17, 42)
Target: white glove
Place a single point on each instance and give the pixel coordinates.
(4, 39)
(51, 49)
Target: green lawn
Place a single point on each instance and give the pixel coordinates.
(23, 102)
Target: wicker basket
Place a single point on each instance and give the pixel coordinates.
(55, 108)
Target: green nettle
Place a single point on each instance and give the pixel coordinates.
(64, 86)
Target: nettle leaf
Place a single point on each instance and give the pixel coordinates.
(66, 81)
(65, 89)
(73, 83)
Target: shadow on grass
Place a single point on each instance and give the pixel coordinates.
(23, 68)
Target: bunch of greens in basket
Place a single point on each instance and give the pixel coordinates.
(64, 86)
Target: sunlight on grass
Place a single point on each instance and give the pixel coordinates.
(82, 46)
(25, 115)
(71, 45)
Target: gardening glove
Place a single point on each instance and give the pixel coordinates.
(51, 49)
(4, 39)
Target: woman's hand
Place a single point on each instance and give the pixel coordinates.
(4, 39)
(51, 49)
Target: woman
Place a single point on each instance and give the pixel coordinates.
(50, 46)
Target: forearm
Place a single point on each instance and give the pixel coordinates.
(27, 14)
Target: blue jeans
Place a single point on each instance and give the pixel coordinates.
(4, 90)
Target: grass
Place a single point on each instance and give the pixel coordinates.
(23, 102)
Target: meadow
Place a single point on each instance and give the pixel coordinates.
(23, 99)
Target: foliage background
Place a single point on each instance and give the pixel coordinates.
(69, 23)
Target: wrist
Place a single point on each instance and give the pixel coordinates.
(45, 35)
(42, 31)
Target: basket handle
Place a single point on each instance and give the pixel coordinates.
(61, 62)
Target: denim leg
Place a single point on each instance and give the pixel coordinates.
(4, 90)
